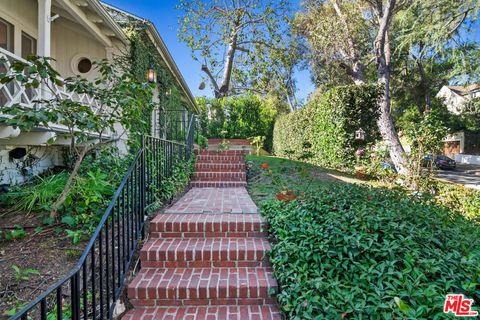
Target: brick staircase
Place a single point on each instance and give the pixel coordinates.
(220, 169)
(199, 265)
(204, 266)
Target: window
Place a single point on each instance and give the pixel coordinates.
(84, 65)
(6, 35)
(29, 45)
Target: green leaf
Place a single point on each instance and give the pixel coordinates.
(69, 220)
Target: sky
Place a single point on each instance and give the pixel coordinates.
(164, 15)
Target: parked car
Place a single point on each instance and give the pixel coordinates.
(440, 162)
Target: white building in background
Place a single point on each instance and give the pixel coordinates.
(457, 97)
(74, 33)
(464, 147)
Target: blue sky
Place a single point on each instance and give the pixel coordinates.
(164, 15)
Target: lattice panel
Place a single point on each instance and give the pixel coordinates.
(15, 93)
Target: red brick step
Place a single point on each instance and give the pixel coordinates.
(219, 159)
(220, 167)
(204, 252)
(202, 286)
(218, 184)
(207, 225)
(268, 312)
(220, 176)
(223, 153)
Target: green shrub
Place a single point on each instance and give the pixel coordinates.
(201, 141)
(370, 254)
(39, 196)
(240, 116)
(323, 132)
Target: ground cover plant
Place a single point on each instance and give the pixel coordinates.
(356, 251)
(31, 240)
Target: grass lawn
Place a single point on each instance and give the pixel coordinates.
(346, 250)
(289, 174)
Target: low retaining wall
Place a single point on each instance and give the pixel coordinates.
(467, 159)
(233, 142)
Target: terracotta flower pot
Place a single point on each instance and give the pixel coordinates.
(286, 196)
(360, 172)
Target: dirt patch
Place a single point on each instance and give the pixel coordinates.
(46, 252)
(49, 255)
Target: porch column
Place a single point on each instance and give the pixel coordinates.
(44, 28)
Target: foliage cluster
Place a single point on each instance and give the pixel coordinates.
(237, 117)
(469, 120)
(92, 189)
(323, 132)
(243, 46)
(425, 133)
(143, 54)
(358, 252)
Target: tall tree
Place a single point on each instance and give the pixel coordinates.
(338, 38)
(432, 46)
(350, 35)
(412, 42)
(384, 12)
(240, 42)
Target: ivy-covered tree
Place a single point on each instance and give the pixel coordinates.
(244, 45)
(389, 42)
(121, 102)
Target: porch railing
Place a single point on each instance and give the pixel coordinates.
(90, 290)
(15, 92)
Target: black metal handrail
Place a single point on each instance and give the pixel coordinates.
(90, 290)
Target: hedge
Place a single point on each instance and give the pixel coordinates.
(355, 252)
(323, 132)
(241, 117)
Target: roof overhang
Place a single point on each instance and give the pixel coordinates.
(167, 57)
(92, 23)
(165, 54)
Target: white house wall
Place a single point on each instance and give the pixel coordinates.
(453, 101)
(23, 15)
(70, 41)
(11, 169)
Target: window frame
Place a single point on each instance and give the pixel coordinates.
(33, 42)
(10, 45)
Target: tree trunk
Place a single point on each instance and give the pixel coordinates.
(63, 196)
(357, 69)
(424, 80)
(228, 67)
(385, 121)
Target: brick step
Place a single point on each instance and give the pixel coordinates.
(220, 176)
(220, 159)
(268, 312)
(186, 225)
(220, 167)
(223, 153)
(204, 252)
(218, 184)
(202, 286)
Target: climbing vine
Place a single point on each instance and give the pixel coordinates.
(143, 55)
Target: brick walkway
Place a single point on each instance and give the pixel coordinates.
(205, 258)
(214, 200)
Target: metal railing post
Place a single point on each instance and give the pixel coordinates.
(143, 184)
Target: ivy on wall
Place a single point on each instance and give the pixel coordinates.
(143, 55)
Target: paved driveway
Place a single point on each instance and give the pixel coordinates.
(466, 174)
